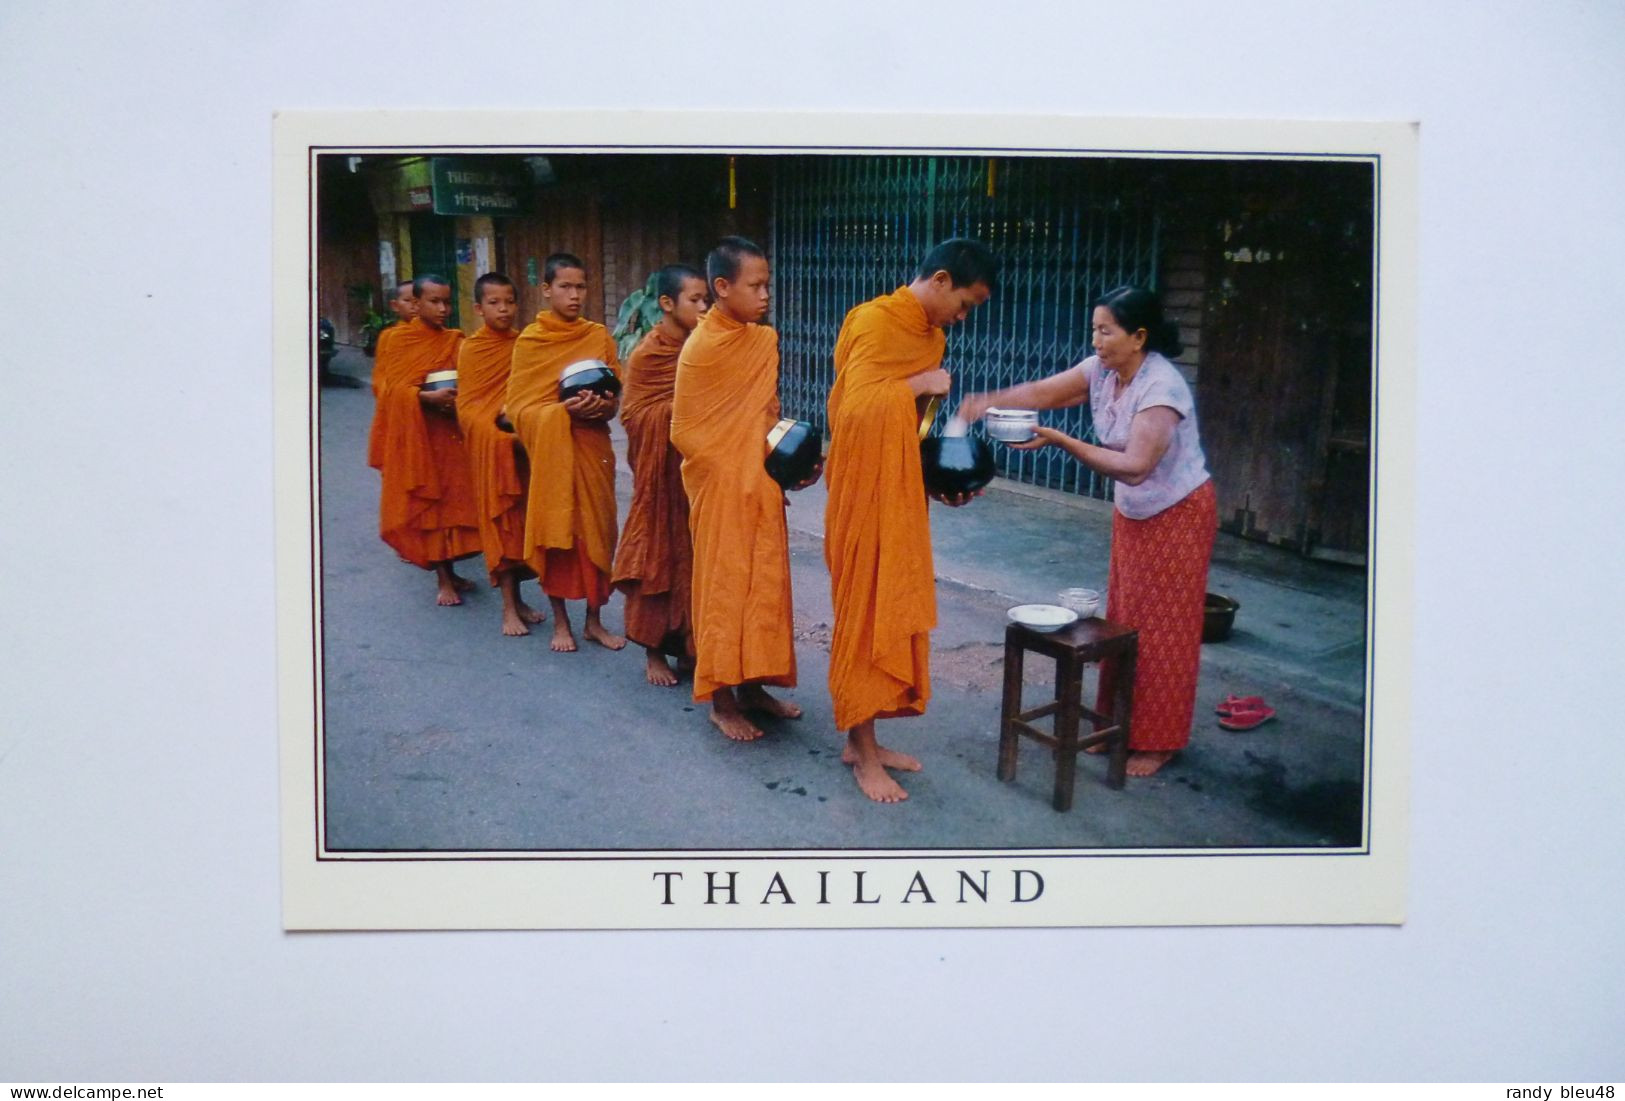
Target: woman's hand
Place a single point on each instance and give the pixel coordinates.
(972, 406)
(1042, 437)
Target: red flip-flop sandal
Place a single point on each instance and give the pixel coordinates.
(1239, 703)
(1248, 720)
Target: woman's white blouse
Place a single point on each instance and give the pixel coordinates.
(1183, 467)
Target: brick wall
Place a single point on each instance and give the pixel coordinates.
(1183, 285)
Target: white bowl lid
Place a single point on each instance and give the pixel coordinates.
(584, 365)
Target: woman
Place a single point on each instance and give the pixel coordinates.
(1166, 514)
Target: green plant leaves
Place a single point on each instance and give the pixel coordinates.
(637, 315)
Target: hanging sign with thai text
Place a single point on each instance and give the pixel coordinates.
(480, 185)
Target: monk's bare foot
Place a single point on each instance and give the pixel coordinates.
(527, 614)
(446, 581)
(875, 782)
(889, 758)
(1146, 764)
(564, 642)
(513, 624)
(726, 717)
(597, 633)
(685, 664)
(461, 584)
(755, 697)
(735, 725)
(656, 671)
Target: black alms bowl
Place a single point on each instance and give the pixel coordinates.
(955, 465)
(589, 374)
(793, 450)
(439, 380)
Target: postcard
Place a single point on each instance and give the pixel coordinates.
(455, 755)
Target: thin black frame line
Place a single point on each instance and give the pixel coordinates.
(430, 855)
(838, 150)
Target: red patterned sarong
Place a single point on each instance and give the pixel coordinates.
(1157, 585)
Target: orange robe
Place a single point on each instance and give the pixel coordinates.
(499, 477)
(725, 402)
(654, 564)
(375, 445)
(426, 507)
(877, 535)
(570, 515)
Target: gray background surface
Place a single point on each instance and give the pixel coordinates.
(139, 901)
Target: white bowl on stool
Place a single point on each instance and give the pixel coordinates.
(1044, 618)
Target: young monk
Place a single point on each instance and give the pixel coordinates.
(499, 477)
(403, 304)
(726, 401)
(877, 536)
(569, 536)
(403, 301)
(426, 507)
(654, 564)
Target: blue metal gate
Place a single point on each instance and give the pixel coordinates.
(848, 228)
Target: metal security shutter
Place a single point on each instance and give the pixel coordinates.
(848, 228)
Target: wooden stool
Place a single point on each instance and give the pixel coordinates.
(1072, 648)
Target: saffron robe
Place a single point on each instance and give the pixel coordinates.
(877, 533)
(426, 505)
(569, 536)
(375, 455)
(654, 564)
(726, 400)
(499, 476)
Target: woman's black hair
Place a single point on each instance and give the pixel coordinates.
(1135, 308)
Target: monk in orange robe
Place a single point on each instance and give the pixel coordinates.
(403, 303)
(726, 401)
(499, 474)
(426, 506)
(654, 564)
(877, 536)
(570, 515)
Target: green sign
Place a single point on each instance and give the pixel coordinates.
(495, 186)
(402, 186)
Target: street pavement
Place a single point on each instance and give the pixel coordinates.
(442, 734)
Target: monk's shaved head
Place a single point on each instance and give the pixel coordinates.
(490, 279)
(428, 279)
(671, 280)
(966, 261)
(402, 302)
(725, 259)
(558, 262)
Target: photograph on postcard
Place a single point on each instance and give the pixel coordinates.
(851, 501)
